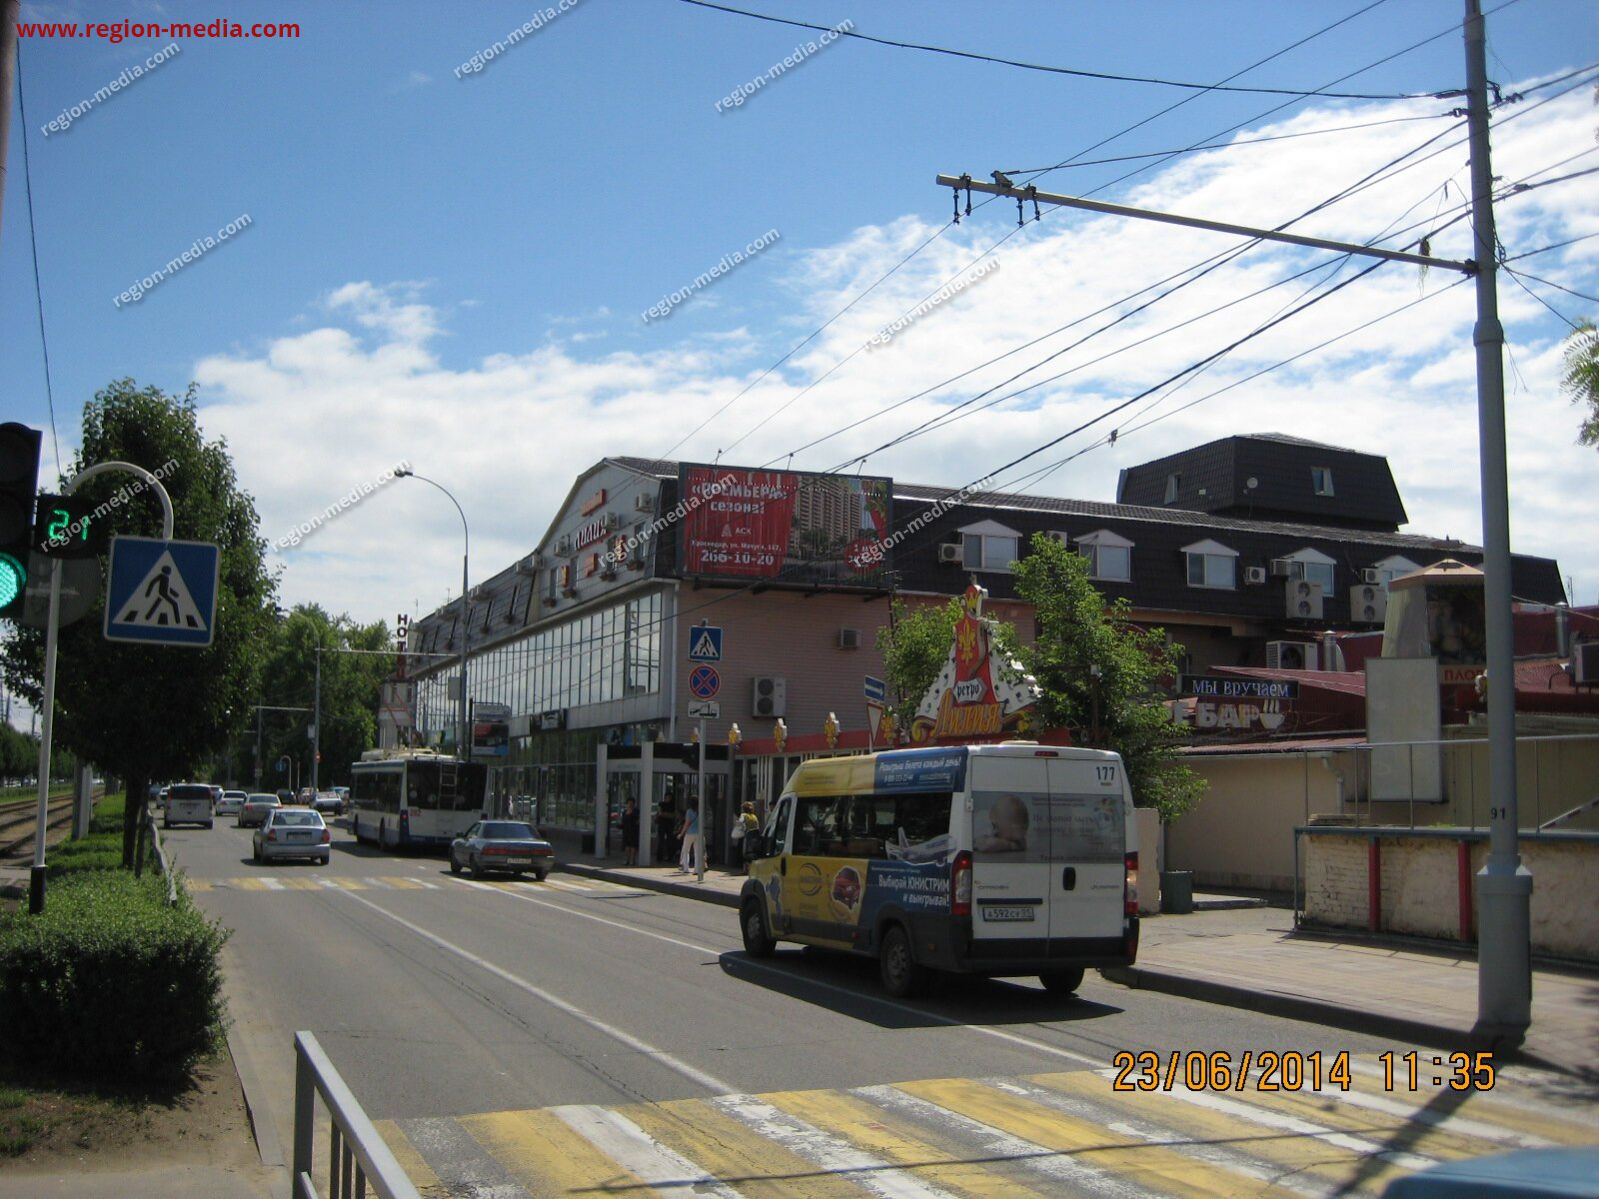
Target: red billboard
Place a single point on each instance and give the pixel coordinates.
(790, 526)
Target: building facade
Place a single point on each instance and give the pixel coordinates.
(586, 640)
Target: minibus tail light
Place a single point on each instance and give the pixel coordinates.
(1130, 885)
(960, 885)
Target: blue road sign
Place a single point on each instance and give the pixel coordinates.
(705, 643)
(704, 682)
(875, 689)
(162, 592)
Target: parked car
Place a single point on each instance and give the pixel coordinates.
(293, 833)
(506, 845)
(307, 795)
(230, 803)
(329, 803)
(256, 808)
(285, 796)
(188, 803)
(161, 799)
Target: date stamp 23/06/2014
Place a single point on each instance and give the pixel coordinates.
(1292, 1070)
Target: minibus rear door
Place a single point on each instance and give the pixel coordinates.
(1088, 840)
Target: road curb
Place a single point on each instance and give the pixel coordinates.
(266, 1137)
(1320, 1011)
(665, 886)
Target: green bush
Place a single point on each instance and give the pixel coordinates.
(110, 984)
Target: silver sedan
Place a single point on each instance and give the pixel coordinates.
(507, 845)
(293, 833)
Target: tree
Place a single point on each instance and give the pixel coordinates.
(351, 690)
(1580, 379)
(151, 713)
(915, 645)
(1122, 709)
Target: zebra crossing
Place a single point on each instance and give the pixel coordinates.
(1065, 1133)
(389, 882)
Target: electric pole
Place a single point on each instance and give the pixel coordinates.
(1504, 886)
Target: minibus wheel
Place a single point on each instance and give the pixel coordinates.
(758, 942)
(902, 977)
(1062, 982)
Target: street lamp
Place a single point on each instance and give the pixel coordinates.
(464, 744)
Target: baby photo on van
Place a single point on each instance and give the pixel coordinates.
(1000, 824)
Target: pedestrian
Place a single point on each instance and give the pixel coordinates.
(630, 833)
(692, 852)
(745, 831)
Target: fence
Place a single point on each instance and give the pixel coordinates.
(357, 1155)
(1241, 832)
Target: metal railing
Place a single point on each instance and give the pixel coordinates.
(357, 1155)
(162, 863)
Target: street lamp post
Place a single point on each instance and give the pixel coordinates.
(464, 744)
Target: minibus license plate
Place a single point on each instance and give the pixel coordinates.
(994, 912)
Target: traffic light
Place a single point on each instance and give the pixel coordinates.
(19, 481)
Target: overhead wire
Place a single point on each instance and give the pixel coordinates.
(1053, 70)
(33, 245)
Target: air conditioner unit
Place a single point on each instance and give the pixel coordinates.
(612, 521)
(950, 551)
(849, 639)
(563, 544)
(1254, 575)
(1368, 603)
(644, 502)
(1302, 599)
(1290, 655)
(529, 564)
(1585, 663)
(770, 697)
(1371, 575)
(1287, 568)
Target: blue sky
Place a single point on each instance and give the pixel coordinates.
(452, 270)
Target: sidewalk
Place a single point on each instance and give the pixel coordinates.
(1251, 957)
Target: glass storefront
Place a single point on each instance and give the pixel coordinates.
(601, 656)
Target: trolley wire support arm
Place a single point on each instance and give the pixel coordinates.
(1020, 194)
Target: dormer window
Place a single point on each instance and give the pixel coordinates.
(1321, 480)
(1211, 564)
(1314, 567)
(1173, 482)
(1110, 557)
(989, 546)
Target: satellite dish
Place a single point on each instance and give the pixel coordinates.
(1251, 483)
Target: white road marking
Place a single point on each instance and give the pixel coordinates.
(273, 884)
(833, 1154)
(1287, 1123)
(997, 1144)
(752, 964)
(630, 1147)
(709, 1081)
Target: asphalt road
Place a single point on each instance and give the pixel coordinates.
(446, 1002)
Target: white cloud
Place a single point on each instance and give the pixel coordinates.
(316, 412)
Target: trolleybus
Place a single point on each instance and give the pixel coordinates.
(410, 797)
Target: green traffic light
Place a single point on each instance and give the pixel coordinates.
(13, 578)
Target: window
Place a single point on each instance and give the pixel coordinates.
(1392, 568)
(1109, 557)
(1314, 567)
(1321, 480)
(1173, 482)
(989, 546)
(1211, 564)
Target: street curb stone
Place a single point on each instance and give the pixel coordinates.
(666, 886)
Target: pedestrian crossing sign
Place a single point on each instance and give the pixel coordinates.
(705, 643)
(162, 592)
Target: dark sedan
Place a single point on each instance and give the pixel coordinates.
(505, 845)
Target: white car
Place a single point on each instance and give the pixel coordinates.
(230, 803)
(293, 833)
